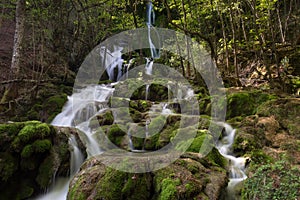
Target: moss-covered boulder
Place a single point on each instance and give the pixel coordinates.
(244, 103)
(186, 178)
(47, 109)
(30, 154)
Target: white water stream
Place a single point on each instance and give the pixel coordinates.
(236, 165)
(77, 112)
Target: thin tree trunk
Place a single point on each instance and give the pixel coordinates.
(11, 92)
(234, 43)
(18, 38)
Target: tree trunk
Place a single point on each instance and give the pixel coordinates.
(11, 92)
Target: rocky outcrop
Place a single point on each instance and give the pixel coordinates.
(189, 177)
(271, 138)
(31, 153)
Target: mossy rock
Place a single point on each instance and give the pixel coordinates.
(116, 133)
(8, 165)
(34, 131)
(244, 103)
(105, 118)
(47, 109)
(286, 112)
(42, 146)
(27, 151)
(33, 153)
(135, 115)
(216, 158)
(7, 134)
(120, 185)
(45, 172)
(186, 178)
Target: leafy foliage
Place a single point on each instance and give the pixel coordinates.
(273, 181)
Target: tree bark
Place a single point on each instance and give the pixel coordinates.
(11, 92)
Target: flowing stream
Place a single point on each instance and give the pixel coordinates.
(236, 165)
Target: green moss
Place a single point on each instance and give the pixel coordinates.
(135, 115)
(157, 124)
(43, 130)
(137, 187)
(150, 142)
(259, 157)
(197, 143)
(41, 146)
(75, 193)
(27, 133)
(246, 102)
(27, 151)
(169, 189)
(33, 130)
(110, 186)
(215, 157)
(8, 166)
(115, 134)
(46, 171)
(11, 129)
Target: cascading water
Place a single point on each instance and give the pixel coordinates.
(60, 187)
(77, 112)
(147, 91)
(112, 59)
(236, 165)
(149, 23)
(149, 66)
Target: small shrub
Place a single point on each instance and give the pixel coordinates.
(273, 181)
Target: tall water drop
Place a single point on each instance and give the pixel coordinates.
(147, 91)
(150, 22)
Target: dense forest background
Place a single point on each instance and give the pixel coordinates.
(255, 43)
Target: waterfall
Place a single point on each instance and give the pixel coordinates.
(150, 22)
(149, 66)
(236, 164)
(81, 107)
(112, 59)
(60, 188)
(147, 91)
(166, 110)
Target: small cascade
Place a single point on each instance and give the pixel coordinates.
(147, 91)
(127, 66)
(166, 110)
(92, 145)
(77, 157)
(130, 143)
(60, 188)
(112, 59)
(236, 164)
(149, 66)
